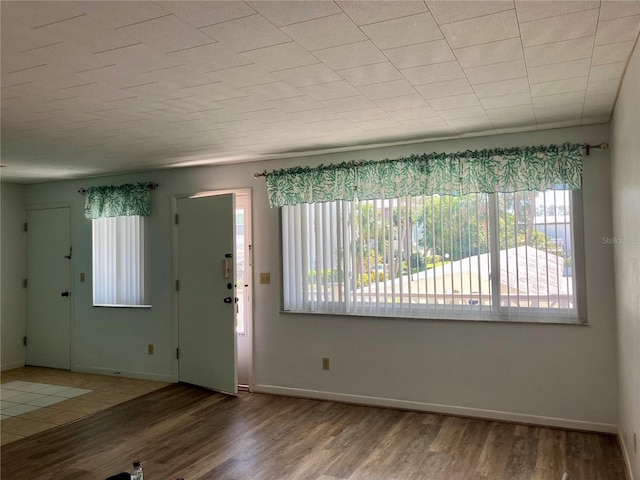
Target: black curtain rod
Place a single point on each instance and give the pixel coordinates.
(603, 146)
(151, 185)
(587, 147)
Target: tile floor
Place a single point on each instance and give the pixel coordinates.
(20, 397)
(35, 399)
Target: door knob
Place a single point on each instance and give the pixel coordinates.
(64, 294)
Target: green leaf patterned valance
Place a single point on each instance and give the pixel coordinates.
(111, 201)
(478, 171)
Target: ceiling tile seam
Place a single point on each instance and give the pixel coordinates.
(378, 83)
(164, 68)
(117, 48)
(199, 85)
(316, 18)
(27, 68)
(381, 21)
(344, 45)
(61, 99)
(613, 43)
(273, 45)
(475, 18)
(51, 110)
(227, 68)
(198, 111)
(79, 85)
(17, 84)
(119, 99)
(192, 47)
(560, 41)
(59, 21)
(102, 110)
(561, 79)
(593, 46)
(232, 68)
(577, 12)
(96, 68)
(557, 63)
(143, 21)
(483, 43)
(234, 19)
(38, 48)
(361, 66)
(139, 85)
(610, 63)
(176, 98)
(415, 45)
(270, 83)
(355, 109)
(526, 68)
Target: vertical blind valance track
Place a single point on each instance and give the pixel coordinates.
(478, 171)
(116, 201)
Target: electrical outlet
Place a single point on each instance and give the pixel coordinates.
(325, 363)
(265, 278)
(150, 349)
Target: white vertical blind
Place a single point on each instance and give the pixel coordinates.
(118, 261)
(476, 256)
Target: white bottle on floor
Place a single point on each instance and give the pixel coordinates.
(137, 471)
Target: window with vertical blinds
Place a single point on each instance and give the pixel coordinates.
(119, 261)
(504, 256)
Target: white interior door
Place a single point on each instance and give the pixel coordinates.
(206, 293)
(49, 288)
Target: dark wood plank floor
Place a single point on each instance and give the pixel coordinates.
(189, 432)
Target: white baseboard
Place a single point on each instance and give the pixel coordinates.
(123, 373)
(625, 455)
(437, 408)
(11, 366)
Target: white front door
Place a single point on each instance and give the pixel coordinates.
(49, 288)
(206, 292)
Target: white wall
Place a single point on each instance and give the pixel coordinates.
(556, 374)
(625, 153)
(13, 261)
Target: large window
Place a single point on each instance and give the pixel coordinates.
(119, 261)
(506, 256)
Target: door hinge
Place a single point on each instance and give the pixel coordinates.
(176, 219)
(24, 341)
(178, 353)
(25, 283)
(177, 285)
(25, 226)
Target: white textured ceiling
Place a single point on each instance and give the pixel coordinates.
(91, 88)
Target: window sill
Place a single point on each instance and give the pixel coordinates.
(521, 320)
(120, 306)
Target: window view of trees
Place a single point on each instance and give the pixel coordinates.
(455, 254)
(423, 232)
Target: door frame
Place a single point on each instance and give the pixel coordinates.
(72, 275)
(175, 326)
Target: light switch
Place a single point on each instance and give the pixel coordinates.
(265, 278)
(82, 277)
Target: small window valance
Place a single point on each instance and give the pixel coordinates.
(116, 201)
(477, 171)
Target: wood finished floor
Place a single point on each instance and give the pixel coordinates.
(192, 433)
